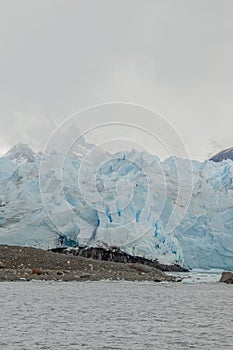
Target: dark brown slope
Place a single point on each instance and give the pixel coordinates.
(24, 263)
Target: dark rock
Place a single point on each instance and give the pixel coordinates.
(85, 275)
(36, 271)
(2, 266)
(114, 254)
(223, 155)
(227, 277)
(179, 279)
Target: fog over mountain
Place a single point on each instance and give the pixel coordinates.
(175, 57)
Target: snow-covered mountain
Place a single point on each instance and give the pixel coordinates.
(21, 153)
(176, 211)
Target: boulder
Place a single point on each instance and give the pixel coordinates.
(140, 268)
(36, 271)
(227, 277)
(2, 266)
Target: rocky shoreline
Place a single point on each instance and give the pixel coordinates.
(26, 264)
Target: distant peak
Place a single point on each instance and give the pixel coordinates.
(223, 155)
(21, 152)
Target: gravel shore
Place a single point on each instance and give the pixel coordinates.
(26, 264)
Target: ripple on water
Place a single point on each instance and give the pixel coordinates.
(110, 315)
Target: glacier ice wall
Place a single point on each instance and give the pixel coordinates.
(93, 198)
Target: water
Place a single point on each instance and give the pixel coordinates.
(115, 315)
(198, 275)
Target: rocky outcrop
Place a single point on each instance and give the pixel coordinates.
(223, 155)
(26, 264)
(227, 277)
(114, 254)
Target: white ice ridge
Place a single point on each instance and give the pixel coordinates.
(90, 197)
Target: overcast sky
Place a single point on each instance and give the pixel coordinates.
(174, 56)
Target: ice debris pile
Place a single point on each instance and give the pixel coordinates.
(89, 197)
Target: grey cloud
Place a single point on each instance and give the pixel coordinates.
(173, 56)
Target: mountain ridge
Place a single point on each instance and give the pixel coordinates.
(223, 155)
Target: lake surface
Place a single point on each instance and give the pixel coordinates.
(115, 315)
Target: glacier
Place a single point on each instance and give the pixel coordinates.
(127, 199)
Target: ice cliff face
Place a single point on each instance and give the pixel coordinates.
(128, 199)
